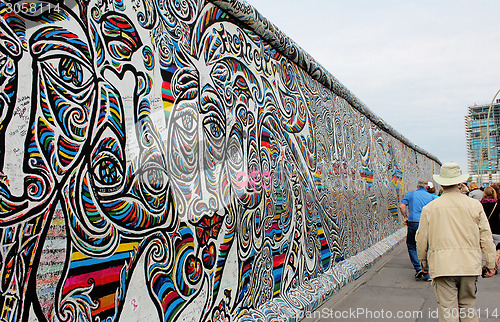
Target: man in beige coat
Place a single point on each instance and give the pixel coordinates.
(452, 236)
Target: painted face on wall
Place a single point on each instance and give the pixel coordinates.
(46, 135)
(86, 127)
(80, 100)
(96, 138)
(126, 171)
(213, 142)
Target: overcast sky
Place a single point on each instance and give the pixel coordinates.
(416, 64)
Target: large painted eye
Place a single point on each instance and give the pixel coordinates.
(214, 127)
(62, 56)
(154, 177)
(68, 70)
(107, 172)
(71, 71)
(234, 153)
(106, 167)
(186, 120)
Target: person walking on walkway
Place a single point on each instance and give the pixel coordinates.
(452, 236)
(411, 207)
(491, 207)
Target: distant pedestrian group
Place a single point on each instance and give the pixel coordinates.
(449, 235)
(489, 197)
(489, 201)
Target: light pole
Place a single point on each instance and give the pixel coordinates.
(481, 169)
(488, 135)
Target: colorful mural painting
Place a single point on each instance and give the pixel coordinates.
(160, 160)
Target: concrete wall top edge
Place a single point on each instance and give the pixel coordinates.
(250, 17)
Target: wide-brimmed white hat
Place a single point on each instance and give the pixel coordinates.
(450, 175)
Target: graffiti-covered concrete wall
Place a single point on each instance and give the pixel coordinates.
(165, 160)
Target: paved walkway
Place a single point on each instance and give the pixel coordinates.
(389, 292)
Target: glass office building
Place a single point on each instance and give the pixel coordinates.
(477, 125)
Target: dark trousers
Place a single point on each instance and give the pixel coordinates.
(412, 246)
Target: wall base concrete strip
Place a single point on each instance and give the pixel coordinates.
(293, 305)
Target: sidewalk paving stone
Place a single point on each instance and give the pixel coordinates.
(389, 292)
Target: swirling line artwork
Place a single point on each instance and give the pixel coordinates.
(160, 161)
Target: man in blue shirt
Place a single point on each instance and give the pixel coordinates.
(411, 208)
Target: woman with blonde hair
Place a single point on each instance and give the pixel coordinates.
(489, 196)
(497, 188)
